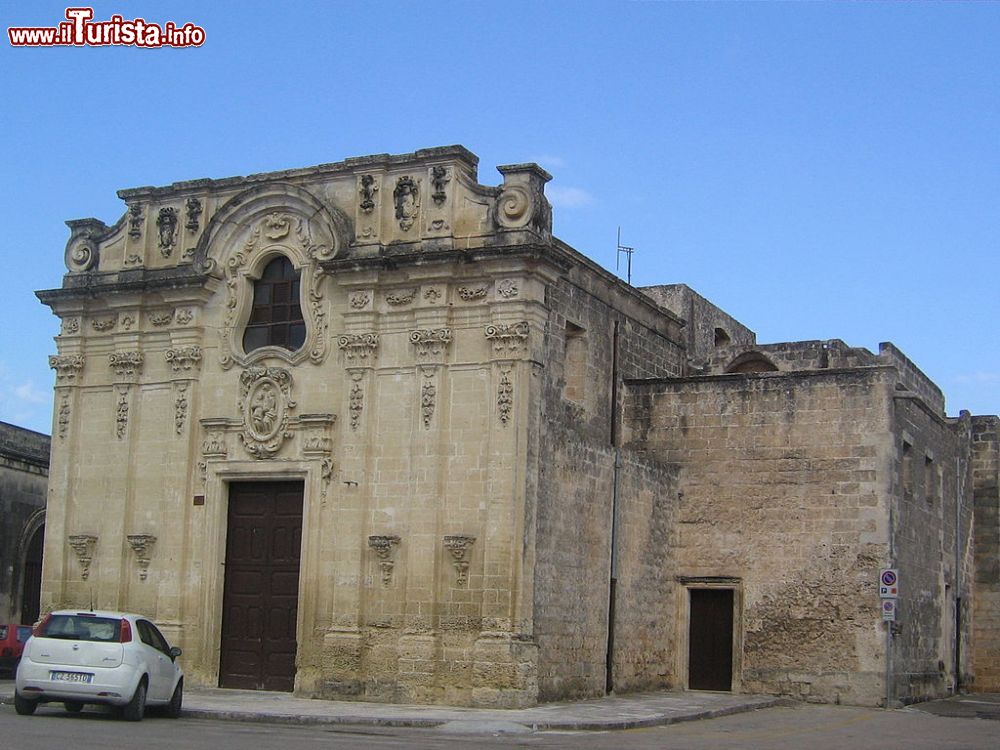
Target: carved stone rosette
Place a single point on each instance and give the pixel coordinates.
(265, 403)
(358, 346)
(183, 358)
(509, 339)
(83, 545)
(458, 545)
(126, 364)
(142, 545)
(67, 367)
(383, 546)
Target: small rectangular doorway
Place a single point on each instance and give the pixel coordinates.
(261, 589)
(710, 639)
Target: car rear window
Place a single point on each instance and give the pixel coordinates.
(81, 628)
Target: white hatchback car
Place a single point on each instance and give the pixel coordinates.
(111, 658)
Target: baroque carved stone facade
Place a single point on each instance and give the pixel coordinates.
(481, 444)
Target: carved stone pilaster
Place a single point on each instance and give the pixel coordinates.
(67, 367)
(505, 398)
(127, 364)
(428, 396)
(64, 415)
(356, 398)
(383, 546)
(509, 339)
(180, 407)
(142, 545)
(458, 545)
(83, 545)
(358, 346)
(121, 411)
(183, 358)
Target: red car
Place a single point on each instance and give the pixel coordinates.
(12, 638)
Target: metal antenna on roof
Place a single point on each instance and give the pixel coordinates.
(628, 255)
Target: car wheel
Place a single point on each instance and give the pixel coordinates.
(136, 707)
(23, 706)
(173, 709)
(74, 707)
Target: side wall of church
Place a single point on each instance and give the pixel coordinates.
(986, 586)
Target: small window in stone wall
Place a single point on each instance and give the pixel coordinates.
(276, 316)
(721, 337)
(575, 367)
(931, 481)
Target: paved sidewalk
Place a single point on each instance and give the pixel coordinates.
(970, 706)
(613, 712)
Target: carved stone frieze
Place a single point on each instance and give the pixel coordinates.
(180, 407)
(505, 399)
(356, 399)
(64, 416)
(315, 429)
(142, 545)
(214, 445)
(399, 298)
(193, 206)
(126, 364)
(509, 338)
(126, 322)
(67, 366)
(265, 403)
(121, 411)
(432, 295)
(383, 546)
(160, 319)
(184, 316)
(103, 324)
(133, 259)
(458, 545)
(184, 358)
(358, 346)
(360, 300)
(431, 342)
(70, 326)
(83, 545)
(135, 220)
(166, 224)
(472, 293)
(407, 200)
(507, 289)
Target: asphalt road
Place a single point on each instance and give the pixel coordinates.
(794, 728)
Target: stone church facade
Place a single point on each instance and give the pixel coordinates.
(367, 430)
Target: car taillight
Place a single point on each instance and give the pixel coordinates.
(40, 627)
(126, 632)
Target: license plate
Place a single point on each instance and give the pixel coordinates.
(70, 677)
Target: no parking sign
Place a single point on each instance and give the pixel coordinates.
(888, 583)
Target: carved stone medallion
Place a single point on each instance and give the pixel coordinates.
(265, 403)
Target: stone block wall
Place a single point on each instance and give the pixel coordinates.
(986, 585)
(782, 489)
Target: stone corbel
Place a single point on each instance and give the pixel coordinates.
(126, 364)
(183, 359)
(458, 545)
(431, 343)
(383, 546)
(359, 346)
(510, 340)
(83, 545)
(142, 545)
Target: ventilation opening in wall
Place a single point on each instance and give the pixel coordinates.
(575, 368)
(721, 337)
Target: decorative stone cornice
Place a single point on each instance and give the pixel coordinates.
(67, 366)
(183, 358)
(83, 545)
(359, 346)
(126, 364)
(509, 338)
(142, 545)
(458, 545)
(431, 342)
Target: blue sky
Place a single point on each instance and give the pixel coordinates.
(817, 170)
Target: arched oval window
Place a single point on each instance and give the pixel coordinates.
(276, 315)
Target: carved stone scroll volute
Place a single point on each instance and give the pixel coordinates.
(458, 545)
(83, 545)
(383, 546)
(142, 545)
